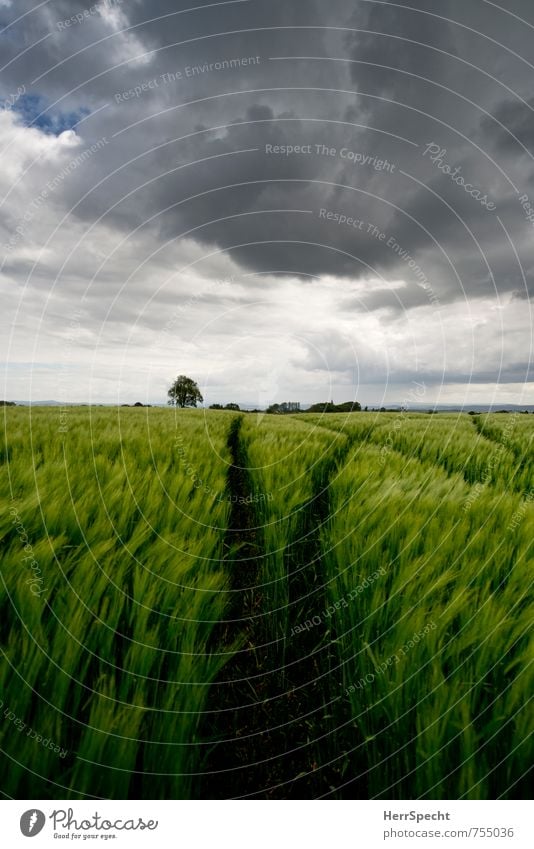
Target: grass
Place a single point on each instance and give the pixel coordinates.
(445, 716)
(116, 649)
(287, 607)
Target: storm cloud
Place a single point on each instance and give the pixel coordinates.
(341, 176)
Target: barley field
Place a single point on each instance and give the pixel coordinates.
(198, 604)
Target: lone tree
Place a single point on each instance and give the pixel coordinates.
(184, 392)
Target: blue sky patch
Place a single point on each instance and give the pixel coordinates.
(33, 111)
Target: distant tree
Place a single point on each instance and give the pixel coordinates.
(323, 407)
(7, 404)
(285, 408)
(329, 407)
(235, 407)
(216, 407)
(184, 392)
(348, 407)
(138, 404)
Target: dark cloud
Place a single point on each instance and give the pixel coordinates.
(394, 49)
(515, 130)
(418, 96)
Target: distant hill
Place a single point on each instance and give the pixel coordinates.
(415, 408)
(465, 408)
(43, 404)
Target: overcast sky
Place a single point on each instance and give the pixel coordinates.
(284, 199)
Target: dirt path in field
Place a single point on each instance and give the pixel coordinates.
(267, 710)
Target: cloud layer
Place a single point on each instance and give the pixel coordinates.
(338, 196)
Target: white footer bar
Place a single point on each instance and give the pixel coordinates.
(267, 825)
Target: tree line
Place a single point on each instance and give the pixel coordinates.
(184, 392)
